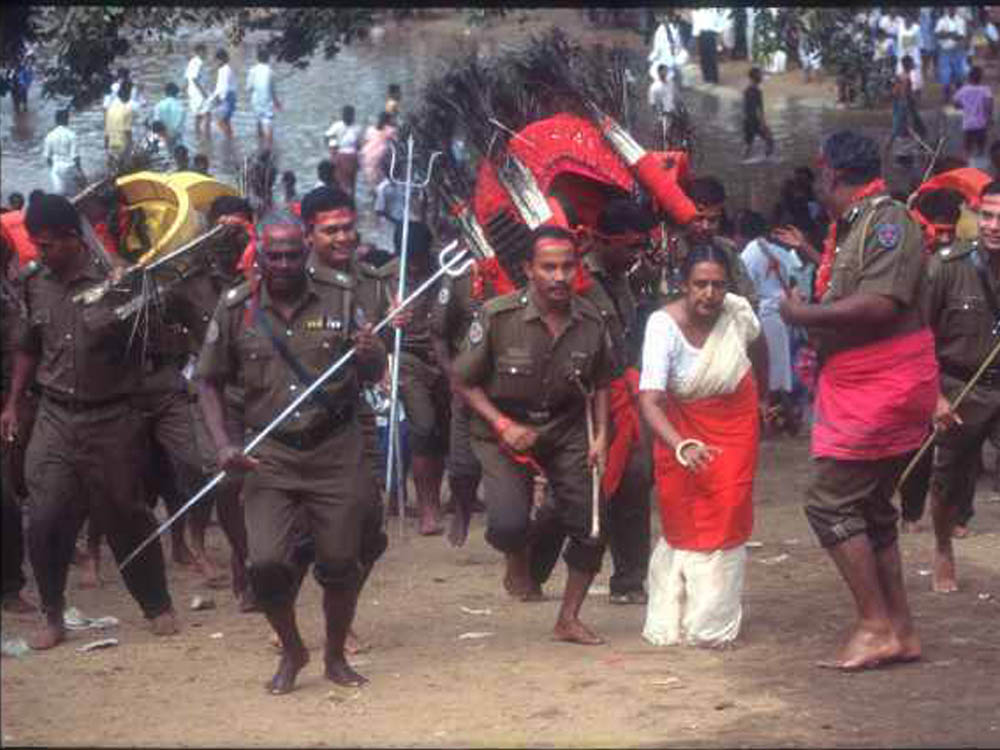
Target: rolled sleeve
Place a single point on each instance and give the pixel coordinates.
(474, 362)
(217, 361)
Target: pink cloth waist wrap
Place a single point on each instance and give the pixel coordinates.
(877, 400)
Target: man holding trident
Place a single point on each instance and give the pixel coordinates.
(275, 341)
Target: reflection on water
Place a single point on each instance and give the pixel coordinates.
(360, 74)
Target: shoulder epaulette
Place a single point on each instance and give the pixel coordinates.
(385, 271)
(956, 251)
(506, 302)
(29, 270)
(325, 275)
(588, 308)
(237, 295)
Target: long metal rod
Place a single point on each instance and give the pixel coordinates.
(456, 260)
(397, 348)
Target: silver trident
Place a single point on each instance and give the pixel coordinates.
(394, 461)
(458, 262)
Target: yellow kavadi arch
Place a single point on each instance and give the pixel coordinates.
(173, 206)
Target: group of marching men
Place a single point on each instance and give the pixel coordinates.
(109, 405)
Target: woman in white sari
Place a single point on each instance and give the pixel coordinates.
(699, 397)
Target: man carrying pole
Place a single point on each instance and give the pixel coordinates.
(519, 372)
(964, 313)
(276, 340)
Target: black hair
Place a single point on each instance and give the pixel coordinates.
(288, 181)
(907, 62)
(991, 188)
(419, 241)
(948, 163)
(200, 47)
(323, 199)
(394, 90)
(706, 191)
(263, 55)
(750, 224)
(16, 201)
(158, 127)
(941, 206)
(125, 90)
(280, 217)
(124, 74)
(804, 173)
(226, 205)
(222, 56)
(549, 232)
(975, 75)
(705, 253)
(324, 172)
(53, 213)
(62, 116)
(35, 194)
(384, 118)
(180, 152)
(171, 89)
(347, 114)
(622, 215)
(855, 156)
(755, 74)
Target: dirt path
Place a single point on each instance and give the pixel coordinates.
(516, 687)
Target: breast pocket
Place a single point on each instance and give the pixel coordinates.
(965, 316)
(515, 377)
(320, 350)
(258, 360)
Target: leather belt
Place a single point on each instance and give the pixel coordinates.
(77, 405)
(989, 379)
(311, 437)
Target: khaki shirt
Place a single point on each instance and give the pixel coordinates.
(958, 308)
(740, 283)
(238, 349)
(83, 351)
(455, 309)
(417, 333)
(367, 284)
(613, 298)
(879, 251)
(11, 315)
(511, 355)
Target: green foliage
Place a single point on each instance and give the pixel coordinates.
(842, 40)
(81, 44)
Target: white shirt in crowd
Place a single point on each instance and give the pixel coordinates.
(59, 149)
(192, 74)
(223, 82)
(950, 25)
(345, 138)
(661, 96)
(260, 86)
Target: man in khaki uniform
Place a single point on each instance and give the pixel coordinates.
(622, 232)
(709, 197)
(963, 310)
(275, 341)
(876, 353)
(527, 357)
(87, 372)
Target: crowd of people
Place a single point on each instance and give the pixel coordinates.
(643, 358)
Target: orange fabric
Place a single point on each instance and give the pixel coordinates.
(16, 235)
(625, 413)
(712, 508)
(249, 257)
(660, 173)
(969, 181)
(830, 243)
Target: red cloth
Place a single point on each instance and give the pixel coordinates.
(876, 400)
(16, 235)
(830, 243)
(249, 257)
(625, 413)
(661, 173)
(710, 509)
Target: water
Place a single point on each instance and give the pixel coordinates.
(360, 74)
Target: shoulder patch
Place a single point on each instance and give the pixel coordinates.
(444, 295)
(29, 270)
(956, 251)
(326, 275)
(475, 332)
(888, 235)
(237, 294)
(382, 272)
(512, 301)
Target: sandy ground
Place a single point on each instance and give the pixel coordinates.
(515, 686)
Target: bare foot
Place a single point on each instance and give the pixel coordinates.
(944, 580)
(911, 527)
(182, 554)
(865, 649)
(574, 631)
(246, 602)
(909, 648)
(90, 573)
(165, 624)
(354, 645)
(458, 529)
(17, 605)
(533, 593)
(430, 527)
(517, 586)
(274, 641)
(960, 531)
(47, 636)
(340, 672)
(212, 577)
(289, 667)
